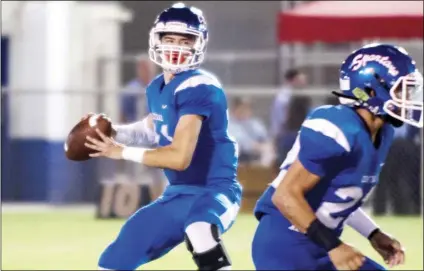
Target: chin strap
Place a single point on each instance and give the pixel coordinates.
(369, 105)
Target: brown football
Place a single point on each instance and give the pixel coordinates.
(74, 146)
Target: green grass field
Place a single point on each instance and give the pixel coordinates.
(73, 240)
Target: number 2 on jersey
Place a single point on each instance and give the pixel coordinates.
(327, 209)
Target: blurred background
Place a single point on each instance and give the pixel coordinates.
(276, 59)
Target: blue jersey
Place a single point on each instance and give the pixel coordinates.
(334, 143)
(200, 93)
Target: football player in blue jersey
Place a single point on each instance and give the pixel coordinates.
(334, 164)
(188, 118)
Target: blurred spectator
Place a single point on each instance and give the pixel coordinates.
(250, 133)
(399, 189)
(288, 113)
(133, 93)
(293, 80)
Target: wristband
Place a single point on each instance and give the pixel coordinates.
(322, 236)
(373, 233)
(133, 154)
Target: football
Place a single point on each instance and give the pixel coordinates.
(75, 149)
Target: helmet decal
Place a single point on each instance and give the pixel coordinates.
(362, 60)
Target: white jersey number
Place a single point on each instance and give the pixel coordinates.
(164, 132)
(326, 209)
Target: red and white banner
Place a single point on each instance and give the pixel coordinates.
(345, 21)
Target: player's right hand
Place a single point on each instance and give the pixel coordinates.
(345, 257)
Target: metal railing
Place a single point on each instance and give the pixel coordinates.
(400, 185)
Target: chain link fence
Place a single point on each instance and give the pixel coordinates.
(400, 187)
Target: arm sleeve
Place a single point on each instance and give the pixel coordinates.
(322, 145)
(137, 133)
(199, 100)
(361, 223)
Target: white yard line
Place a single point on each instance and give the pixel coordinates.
(43, 208)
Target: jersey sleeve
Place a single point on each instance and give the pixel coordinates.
(323, 144)
(198, 100)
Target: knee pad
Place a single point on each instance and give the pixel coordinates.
(215, 257)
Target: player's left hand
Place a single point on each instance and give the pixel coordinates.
(389, 248)
(106, 147)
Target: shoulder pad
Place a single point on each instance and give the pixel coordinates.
(197, 80)
(342, 116)
(337, 122)
(155, 81)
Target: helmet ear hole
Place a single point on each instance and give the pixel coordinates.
(370, 91)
